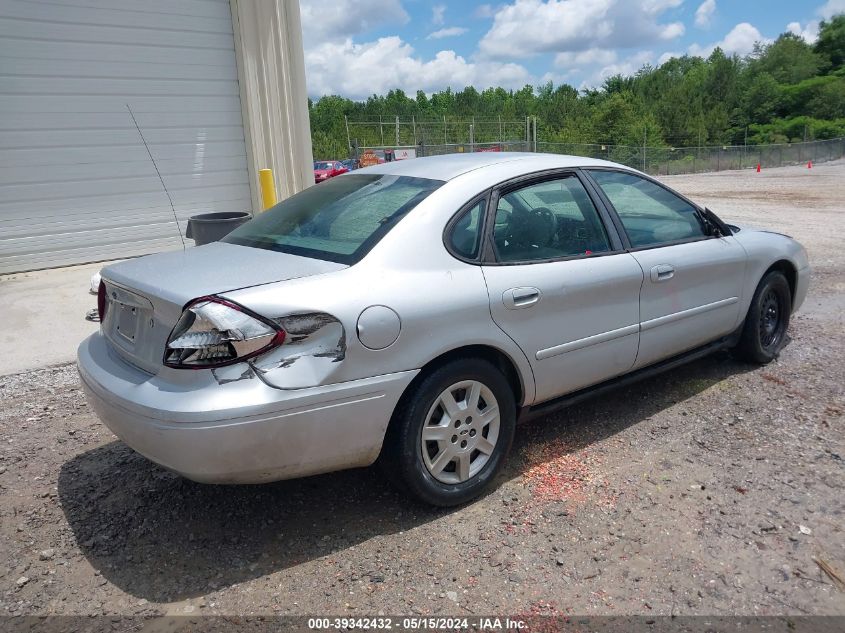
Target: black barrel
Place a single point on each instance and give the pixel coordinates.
(211, 227)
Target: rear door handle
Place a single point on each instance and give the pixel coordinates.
(662, 272)
(518, 298)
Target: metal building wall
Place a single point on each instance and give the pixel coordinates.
(76, 183)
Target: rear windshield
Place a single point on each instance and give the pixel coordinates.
(339, 220)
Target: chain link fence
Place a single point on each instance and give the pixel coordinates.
(458, 148)
(664, 161)
(436, 137)
(393, 131)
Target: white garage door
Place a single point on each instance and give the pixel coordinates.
(76, 183)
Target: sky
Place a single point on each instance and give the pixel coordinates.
(356, 48)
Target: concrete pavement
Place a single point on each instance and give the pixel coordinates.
(43, 316)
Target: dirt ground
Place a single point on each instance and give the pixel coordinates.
(710, 490)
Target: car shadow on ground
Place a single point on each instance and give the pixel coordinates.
(160, 537)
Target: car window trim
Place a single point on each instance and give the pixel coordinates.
(450, 226)
(609, 209)
(490, 257)
(617, 220)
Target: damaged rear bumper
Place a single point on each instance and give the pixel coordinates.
(238, 430)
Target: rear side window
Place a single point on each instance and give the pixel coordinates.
(548, 220)
(465, 237)
(650, 214)
(339, 220)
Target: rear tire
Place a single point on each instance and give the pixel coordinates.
(450, 436)
(764, 331)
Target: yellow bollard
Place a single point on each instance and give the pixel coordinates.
(268, 188)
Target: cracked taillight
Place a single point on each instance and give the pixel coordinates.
(213, 332)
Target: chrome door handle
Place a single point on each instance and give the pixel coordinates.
(517, 298)
(662, 272)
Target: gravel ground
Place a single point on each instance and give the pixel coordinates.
(710, 490)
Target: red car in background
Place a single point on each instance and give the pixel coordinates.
(325, 169)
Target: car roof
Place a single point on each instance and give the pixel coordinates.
(449, 166)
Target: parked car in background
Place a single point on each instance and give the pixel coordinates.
(325, 169)
(351, 164)
(414, 310)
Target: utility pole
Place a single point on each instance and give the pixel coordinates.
(535, 132)
(527, 132)
(348, 140)
(744, 149)
(397, 130)
(445, 142)
(698, 151)
(645, 136)
(414, 124)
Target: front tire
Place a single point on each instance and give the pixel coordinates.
(764, 332)
(450, 436)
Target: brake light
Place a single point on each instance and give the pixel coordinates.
(213, 332)
(102, 304)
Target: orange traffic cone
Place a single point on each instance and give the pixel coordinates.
(758, 168)
(809, 164)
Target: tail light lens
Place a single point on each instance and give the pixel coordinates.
(102, 304)
(213, 332)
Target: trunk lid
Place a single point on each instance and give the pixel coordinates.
(145, 296)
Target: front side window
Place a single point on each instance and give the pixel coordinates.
(465, 236)
(339, 221)
(548, 220)
(650, 214)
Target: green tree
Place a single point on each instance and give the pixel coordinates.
(829, 102)
(789, 59)
(778, 93)
(761, 99)
(831, 42)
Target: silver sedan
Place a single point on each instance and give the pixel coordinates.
(411, 312)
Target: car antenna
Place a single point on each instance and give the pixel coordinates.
(150, 154)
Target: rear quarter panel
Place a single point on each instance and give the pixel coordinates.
(442, 303)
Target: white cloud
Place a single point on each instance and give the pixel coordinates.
(628, 66)
(596, 65)
(673, 30)
(346, 18)
(740, 40)
(375, 67)
(529, 27)
(437, 13)
(388, 63)
(831, 8)
(484, 11)
(589, 57)
(452, 31)
(654, 6)
(665, 57)
(810, 32)
(704, 13)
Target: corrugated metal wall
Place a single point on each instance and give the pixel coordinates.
(76, 183)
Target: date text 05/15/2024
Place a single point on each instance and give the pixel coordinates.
(491, 623)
